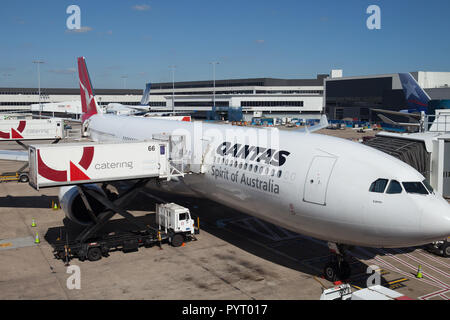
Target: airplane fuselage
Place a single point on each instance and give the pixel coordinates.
(308, 183)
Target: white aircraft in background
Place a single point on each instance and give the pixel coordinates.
(121, 109)
(329, 188)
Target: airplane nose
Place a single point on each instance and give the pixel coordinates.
(436, 221)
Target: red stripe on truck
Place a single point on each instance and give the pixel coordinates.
(86, 159)
(49, 173)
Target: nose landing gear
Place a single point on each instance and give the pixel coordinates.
(338, 267)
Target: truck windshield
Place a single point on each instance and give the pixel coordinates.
(415, 187)
(183, 216)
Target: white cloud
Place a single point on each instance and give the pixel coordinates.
(63, 71)
(260, 41)
(141, 7)
(81, 30)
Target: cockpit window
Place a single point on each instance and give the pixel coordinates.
(428, 186)
(415, 187)
(394, 187)
(378, 186)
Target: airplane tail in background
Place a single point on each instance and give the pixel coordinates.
(146, 95)
(88, 104)
(417, 99)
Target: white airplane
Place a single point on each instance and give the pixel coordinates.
(121, 109)
(321, 186)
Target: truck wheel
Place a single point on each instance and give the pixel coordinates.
(94, 254)
(330, 271)
(23, 178)
(446, 249)
(177, 240)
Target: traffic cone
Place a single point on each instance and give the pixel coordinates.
(36, 239)
(419, 274)
(55, 206)
(33, 223)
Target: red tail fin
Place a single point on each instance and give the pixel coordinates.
(88, 104)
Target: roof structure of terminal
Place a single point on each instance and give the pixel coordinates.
(262, 82)
(69, 91)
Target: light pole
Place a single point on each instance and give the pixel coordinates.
(124, 81)
(38, 62)
(173, 86)
(214, 82)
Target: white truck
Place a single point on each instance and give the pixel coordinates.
(177, 222)
(35, 129)
(376, 292)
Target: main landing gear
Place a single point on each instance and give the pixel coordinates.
(338, 267)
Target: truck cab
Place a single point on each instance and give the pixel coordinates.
(176, 220)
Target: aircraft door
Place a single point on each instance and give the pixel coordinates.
(316, 183)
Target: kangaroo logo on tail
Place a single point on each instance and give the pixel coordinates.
(88, 104)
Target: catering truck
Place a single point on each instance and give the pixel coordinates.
(85, 171)
(34, 129)
(65, 164)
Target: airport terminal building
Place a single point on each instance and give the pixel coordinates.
(355, 97)
(257, 97)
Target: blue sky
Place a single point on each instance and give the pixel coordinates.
(250, 38)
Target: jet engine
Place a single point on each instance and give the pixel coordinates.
(74, 207)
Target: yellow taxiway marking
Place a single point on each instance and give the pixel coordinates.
(4, 245)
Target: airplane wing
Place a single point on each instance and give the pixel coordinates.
(322, 124)
(403, 124)
(14, 155)
(413, 116)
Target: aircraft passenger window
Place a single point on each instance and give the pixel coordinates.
(261, 169)
(267, 171)
(226, 162)
(379, 186)
(415, 187)
(240, 165)
(231, 163)
(428, 186)
(250, 167)
(235, 164)
(279, 174)
(223, 160)
(256, 169)
(245, 166)
(394, 187)
(273, 172)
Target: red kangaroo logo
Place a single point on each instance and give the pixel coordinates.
(61, 175)
(14, 132)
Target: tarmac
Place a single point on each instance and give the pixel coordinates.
(236, 256)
